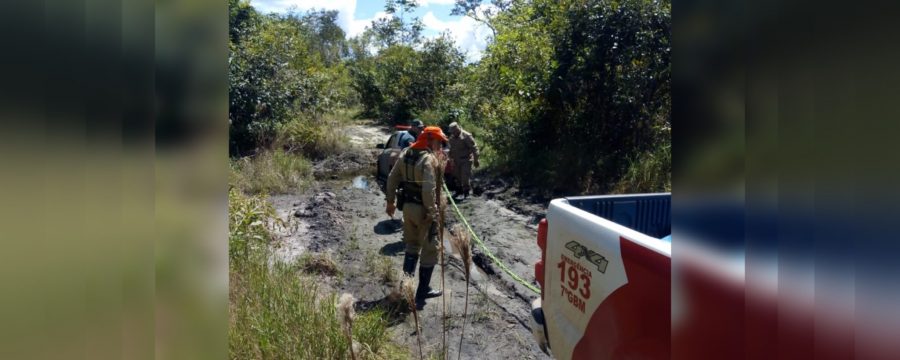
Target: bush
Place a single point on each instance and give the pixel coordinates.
(403, 81)
(282, 67)
(574, 94)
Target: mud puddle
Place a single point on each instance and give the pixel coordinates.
(360, 182)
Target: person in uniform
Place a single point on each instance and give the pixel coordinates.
(419, 173)
(463, 154)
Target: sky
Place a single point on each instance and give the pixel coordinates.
(355, 15)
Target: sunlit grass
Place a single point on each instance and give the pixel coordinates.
(277, 312)
(271, 172)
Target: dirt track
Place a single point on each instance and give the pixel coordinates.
(342, 216)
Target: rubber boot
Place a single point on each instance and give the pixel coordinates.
(425, 291)
(409, 263)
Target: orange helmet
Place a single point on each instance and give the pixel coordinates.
(430, 132)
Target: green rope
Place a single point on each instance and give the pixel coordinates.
(485, 250)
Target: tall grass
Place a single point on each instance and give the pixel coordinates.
(648, 172)
(442, 209)
(271, 172)
(407, 290)
(278, 313)
(461, 244)
(315, 138)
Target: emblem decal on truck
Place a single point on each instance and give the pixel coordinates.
(580, 251)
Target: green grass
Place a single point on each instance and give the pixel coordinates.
(318, 264)
(276, 312)
(381, 266)
(271, 172)
(648, 172)
(315, 138)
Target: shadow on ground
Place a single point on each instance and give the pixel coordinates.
(394, 306)
(393, 249)
(387, 227)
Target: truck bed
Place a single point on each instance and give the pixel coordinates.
(646, 213)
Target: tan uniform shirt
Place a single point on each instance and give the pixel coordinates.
(463, 147)
(424, 173)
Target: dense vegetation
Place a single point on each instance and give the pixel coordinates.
(575, 95)
(285, 73)
(569, 96)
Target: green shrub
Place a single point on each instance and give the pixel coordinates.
(572, 93)
(282, 67)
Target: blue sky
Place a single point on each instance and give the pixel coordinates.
(355, 15)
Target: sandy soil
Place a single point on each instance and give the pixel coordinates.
(342, 217)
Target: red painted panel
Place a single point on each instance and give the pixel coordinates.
(634, 321)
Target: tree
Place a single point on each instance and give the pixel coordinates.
(395, 29)
(479, 12)
(593, 69)
(241, 17)
(329, 38)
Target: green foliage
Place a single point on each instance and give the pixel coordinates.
(400, 81)
(248, 225)
(648, 172)
(282, 68)
(571, 91)
(571, 96)
(395, 29)
(317, 139)
(271, 171)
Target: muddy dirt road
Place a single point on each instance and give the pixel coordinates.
(341, 217)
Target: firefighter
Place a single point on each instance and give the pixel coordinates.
(418, 172)
(464, 154)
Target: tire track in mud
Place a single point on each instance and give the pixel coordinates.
(342, 217)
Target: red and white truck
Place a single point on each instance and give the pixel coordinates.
(610, 291)
(605, 277)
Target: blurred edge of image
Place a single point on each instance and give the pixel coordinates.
(782, 180)
(114, 185)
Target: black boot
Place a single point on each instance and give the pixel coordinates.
(425, 291)
(409, 263)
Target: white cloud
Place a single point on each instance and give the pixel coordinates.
(345, 8)
(424, 3)
(470, 36)
(358, 26)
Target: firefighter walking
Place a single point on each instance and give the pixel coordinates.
(418, 172)
(464, 154)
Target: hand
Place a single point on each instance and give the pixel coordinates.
(476, 163)
(389, 209)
